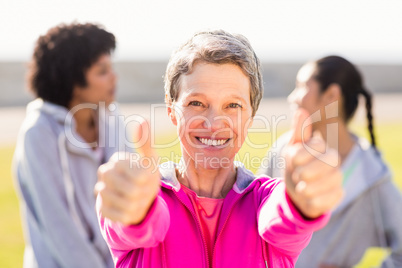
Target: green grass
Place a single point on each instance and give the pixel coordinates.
(11, 240)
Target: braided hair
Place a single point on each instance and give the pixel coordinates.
(337, 70)
(367, 95)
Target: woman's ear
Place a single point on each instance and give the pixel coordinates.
(77, 95)
(170, 110)
(171, 113)
(332, 98)
(333, 93)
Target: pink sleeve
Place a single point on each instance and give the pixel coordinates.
(282, 226)
(149, 233)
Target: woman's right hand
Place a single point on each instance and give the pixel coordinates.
(128, 184)
(313, 176)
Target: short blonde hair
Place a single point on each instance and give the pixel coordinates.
(217, 47)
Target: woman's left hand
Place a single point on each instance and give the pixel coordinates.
(313, 176)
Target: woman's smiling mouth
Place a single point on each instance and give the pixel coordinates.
(212, 142)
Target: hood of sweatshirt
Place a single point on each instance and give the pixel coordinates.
(59, 113)
(363, 169)
(64, 126)
(244, 177)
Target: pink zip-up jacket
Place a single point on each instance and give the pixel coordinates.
(258, 227)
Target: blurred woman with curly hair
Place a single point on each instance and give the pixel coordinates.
(66, 135)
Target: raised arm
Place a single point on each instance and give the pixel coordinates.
(313, 181)
(131, 213)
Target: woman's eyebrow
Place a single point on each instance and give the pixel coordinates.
(198, 94)
(237, 98)
(195, 94)
(102, 64)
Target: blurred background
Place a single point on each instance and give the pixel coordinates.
(285, 34)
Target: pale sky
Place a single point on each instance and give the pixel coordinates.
(363, 31)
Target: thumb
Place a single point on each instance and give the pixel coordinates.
(143, 139)
(301, 126)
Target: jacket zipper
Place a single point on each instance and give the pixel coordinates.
(164, 264)
(199, 227)
(224, 224)
(265, 257)
(264, 252)
(223, 227)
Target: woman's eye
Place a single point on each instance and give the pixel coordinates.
(235, 105)
(195, 103)
(103, 71)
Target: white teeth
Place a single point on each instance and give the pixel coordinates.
(210, 142)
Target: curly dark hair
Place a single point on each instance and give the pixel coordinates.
(61, 58)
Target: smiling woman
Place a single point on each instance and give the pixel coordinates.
(208, 210)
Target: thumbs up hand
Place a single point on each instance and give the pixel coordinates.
(128, 188)
(313, 176)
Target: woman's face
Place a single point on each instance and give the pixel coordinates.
(212, 114)
(307, 94)
(101, 83)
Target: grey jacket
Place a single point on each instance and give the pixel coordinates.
(55, 173)
(370, 214)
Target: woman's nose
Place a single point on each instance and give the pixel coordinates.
(215, 120)
(114, 75)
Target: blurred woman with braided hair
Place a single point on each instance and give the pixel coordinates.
(370, 214)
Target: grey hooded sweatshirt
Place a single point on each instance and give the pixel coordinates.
(370, 215)
(55, 173)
